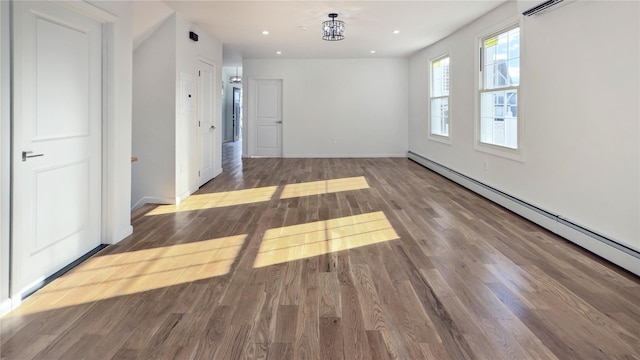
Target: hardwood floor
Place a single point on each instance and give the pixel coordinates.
(332, 259)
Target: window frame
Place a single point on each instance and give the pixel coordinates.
(445, 139)
(494, 149)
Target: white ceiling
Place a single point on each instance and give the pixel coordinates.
(369, 24)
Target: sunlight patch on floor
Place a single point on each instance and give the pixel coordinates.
(324, 187)
(113, 275)
(322, 237)
(219, 199)
(249, 196)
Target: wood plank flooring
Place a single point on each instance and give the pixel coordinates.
(357, 259)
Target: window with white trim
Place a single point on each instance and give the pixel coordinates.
(500, 80)
(439, 119)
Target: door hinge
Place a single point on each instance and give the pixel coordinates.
(198, 123)
(198, 173)
(198, 72)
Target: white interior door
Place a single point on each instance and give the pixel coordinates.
(207, 130)
(57, 140)
(265, 104)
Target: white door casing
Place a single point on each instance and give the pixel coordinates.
(265, 112)
(207, 130)
(57, 113)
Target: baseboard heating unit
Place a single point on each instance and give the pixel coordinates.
(598, 244)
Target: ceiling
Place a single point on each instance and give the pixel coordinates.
(294, 26)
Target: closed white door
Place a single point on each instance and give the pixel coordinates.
(207, 130)
(265, 111)
(57, 140)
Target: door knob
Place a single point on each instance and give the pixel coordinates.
(278, 122)
(25, 155)
(213, 126)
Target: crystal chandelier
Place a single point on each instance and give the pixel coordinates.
(333, 30)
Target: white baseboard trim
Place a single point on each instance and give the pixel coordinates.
(600, 245)
(152, 200)
(183, 196)
(342, 156)
(121, 235)
(5, 307)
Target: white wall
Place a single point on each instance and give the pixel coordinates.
(578, 105)
(5, 100)
(187, 151)
(147, 17)
(154, 108)
(165, 136)
(361, 103)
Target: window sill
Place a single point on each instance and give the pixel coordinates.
(500, 151)
(440, 139)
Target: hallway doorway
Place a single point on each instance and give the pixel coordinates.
(237, 114)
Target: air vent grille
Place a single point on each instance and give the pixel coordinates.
(542, 7)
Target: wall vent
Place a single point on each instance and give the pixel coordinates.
(532, 8)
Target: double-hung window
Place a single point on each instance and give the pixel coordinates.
(500, 80)
(439, 120)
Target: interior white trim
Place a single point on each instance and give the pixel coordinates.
(5, 156)
(153, 200)
(5, 307)
(340, 156)
(87, 10)
(111, 134)
(123, 233)
(600, 245)
(183, 196)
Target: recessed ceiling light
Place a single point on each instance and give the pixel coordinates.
(372, 51)
(396, 31)
(278, 52)
(265, 32)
